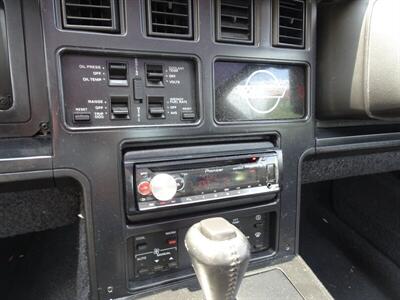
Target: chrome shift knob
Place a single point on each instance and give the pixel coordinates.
(220, 255)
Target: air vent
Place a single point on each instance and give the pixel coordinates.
(234, 21)
(93, 15)
(289, 22)
(170, 18)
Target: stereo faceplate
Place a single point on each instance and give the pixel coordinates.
(175, 181)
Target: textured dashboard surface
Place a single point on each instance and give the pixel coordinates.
(324, 167)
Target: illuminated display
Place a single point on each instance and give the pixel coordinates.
(256, 91)
(221, 180)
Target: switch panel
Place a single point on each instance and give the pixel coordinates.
(103, 92)
(155, 75)
(163, 253)
(156, 253)
(118, 74)
(156, 107)
(119, 107)
(255, 229)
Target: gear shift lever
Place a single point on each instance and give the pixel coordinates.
(220, 255)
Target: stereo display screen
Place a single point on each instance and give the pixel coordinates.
(249, 91)
(225, 179)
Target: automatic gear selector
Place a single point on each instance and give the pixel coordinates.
(220, 255)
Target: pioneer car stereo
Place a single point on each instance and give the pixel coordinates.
(158, 184)
(184, 182)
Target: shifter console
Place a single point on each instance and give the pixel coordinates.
(220, 255)
(163, 252)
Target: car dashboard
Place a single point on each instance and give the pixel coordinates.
(136, 119)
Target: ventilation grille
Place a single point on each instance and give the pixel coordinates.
(170, 18)
(234, 21)
(289, 23)
(94, 15)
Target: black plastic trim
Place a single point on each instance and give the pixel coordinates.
(218, 26)
(276, 26)
(149, 23)
(113, 28)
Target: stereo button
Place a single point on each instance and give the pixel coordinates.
(143, 271)
(172, 242)
(158, 268)
(271, 173)
(141, 247)
(180, 183)
(259, 225)
(143, 188)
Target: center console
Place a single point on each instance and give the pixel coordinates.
(172, 120)
(168, 190)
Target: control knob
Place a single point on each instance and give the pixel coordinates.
(163, 186)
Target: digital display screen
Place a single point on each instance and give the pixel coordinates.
(218, 181)
(248, 91)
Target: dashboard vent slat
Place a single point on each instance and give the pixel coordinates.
(234, 21)
(170, 18)
(93, 15)
(289, 19)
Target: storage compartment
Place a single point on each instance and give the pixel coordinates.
(43, 244)
(350, 235)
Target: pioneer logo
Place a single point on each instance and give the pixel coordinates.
(214, 170)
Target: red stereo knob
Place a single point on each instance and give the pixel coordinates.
(143, 188)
